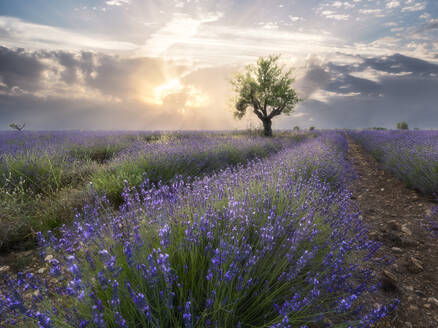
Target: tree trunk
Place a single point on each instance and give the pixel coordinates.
(267, 125)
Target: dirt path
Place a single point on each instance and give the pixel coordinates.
(395, 216)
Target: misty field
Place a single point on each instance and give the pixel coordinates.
(196, 229)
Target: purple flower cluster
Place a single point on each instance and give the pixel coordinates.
(268, 244)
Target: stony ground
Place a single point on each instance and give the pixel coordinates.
(396, 216)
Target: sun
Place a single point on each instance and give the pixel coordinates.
(188, 96)
(172, 86)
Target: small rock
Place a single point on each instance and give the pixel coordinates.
(420, 293)
(396, 249)
(389, 281)
(409, 288)
(433, 300)
(390, 275)
(407, 242)
(415, 265)
(48, 258)
(393, 225)
(413, 307)
(395, 267)
(427, 306)
(42, 270)
(4, 268)
(408, 324)
(25, 253)
(382, 189)
(406, 230)
(392, 237)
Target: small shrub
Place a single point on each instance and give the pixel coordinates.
(402, 126)
(18, 127)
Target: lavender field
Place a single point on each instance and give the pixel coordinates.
(411, 155)
(195, 229)
(45, 176)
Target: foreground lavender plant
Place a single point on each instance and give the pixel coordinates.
(45, 175)
(272, 244)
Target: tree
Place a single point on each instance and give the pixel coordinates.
(312, 128)
(296, 128)
(18, 127)
(265, 88)
(402, 126)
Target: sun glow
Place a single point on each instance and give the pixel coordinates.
(161, 92)
(175, 94)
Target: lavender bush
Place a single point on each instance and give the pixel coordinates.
(411, 155)
(269, 244)
(44, 175)
(193, 156)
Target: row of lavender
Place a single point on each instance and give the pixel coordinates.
(411, 155)
(45, 176)
(269, 244)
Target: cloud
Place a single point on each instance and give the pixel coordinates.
(181, 28)
(398, 63)
(392, 4)
(372, 12)
(208, 44)
(415, 7)
(295, 18)
(377, 91)
(432, 24)
(269, 25)
(117, 2)
(111, 92)
(333, 15)
(66, 90)
(15, 32)
(20, 69)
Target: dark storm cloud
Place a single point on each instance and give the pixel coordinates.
(316, 77)
(400, 63)
(340, 79)
(69, 63)
(408, 99)
(392, 98)
(20, 69)
(346, 84)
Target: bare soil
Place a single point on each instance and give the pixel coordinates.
(396, 217)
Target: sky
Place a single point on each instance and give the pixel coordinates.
(167, 64)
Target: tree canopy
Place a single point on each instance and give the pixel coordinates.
(266, 89)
